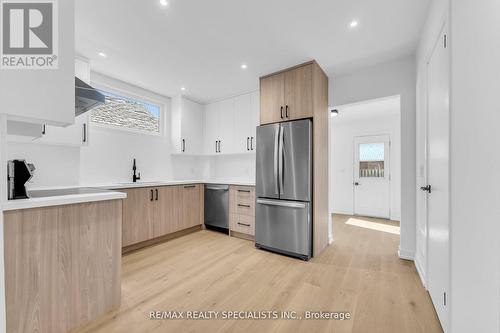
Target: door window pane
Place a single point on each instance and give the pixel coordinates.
(371, 160)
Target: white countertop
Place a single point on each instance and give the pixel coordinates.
(104, 195)
(152, 183)
(59, 200)
(172, 182)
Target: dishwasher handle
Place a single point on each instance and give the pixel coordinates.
(217, 188)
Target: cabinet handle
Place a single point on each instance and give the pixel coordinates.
(240, 205)
(216, 146)
(244, 224)
(248, 148)
(183, 145)
(219, 146)
(244, 191)
(286, 111)
(156, 193)
(84, 132)
(43, 129)
(151, 198)
(189, 186)
(281, 112)
(251, 143)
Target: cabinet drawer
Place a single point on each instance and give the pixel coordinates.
(242, 200)
(243, 224)
(247, 209)
(244, 194)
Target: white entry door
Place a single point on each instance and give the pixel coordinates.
(372, 176)
(438, 178)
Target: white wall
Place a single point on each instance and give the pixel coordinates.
(54, 165)
(230, 167)
(475, 161)
(344, 130)
(108, 157)
(389, 79)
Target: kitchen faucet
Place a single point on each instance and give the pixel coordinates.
(134, 176)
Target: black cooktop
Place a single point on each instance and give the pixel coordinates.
(65, 191)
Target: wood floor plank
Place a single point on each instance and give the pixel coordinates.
(359, 273)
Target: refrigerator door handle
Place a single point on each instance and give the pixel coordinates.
(289, 204)
(281, 160)
(276, 164)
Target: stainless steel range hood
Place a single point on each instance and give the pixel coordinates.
(86, 97)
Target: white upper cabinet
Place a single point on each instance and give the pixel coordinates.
(211, 129)
(76, 134)
(246, 121)
(230, 125)
(45, 95)
(187, 126)
(226, 126)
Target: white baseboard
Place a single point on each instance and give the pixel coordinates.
(407, 255)
(420, 271)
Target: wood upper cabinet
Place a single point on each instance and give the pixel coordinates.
(298, 93)
(138, 216)
(287, 95)
(272, 98)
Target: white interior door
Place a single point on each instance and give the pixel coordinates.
(438, 177)
(372, 189)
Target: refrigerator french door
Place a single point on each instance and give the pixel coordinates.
(283, 220)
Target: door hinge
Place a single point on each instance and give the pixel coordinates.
(444, 298)
(444, 41)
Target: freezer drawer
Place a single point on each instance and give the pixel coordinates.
(284, 226)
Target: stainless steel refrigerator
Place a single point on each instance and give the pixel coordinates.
(283, 218)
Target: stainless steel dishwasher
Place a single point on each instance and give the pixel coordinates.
(217, 207)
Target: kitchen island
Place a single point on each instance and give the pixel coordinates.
(62, 259)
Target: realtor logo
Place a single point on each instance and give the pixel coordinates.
(29, 34)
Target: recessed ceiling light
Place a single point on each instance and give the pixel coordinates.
(183, 88)
(102, 54)
(164, 3)
(244, 66)
(354, 24)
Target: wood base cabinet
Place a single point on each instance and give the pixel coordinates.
(242, 210)
(154, 212)
(62, 265)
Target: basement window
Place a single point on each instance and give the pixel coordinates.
(127, 113)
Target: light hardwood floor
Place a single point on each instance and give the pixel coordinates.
(360, 273)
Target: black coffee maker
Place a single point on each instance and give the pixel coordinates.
(18, 174)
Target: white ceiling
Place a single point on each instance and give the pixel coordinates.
(200, 44)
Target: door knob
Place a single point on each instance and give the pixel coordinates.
(427, 188)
